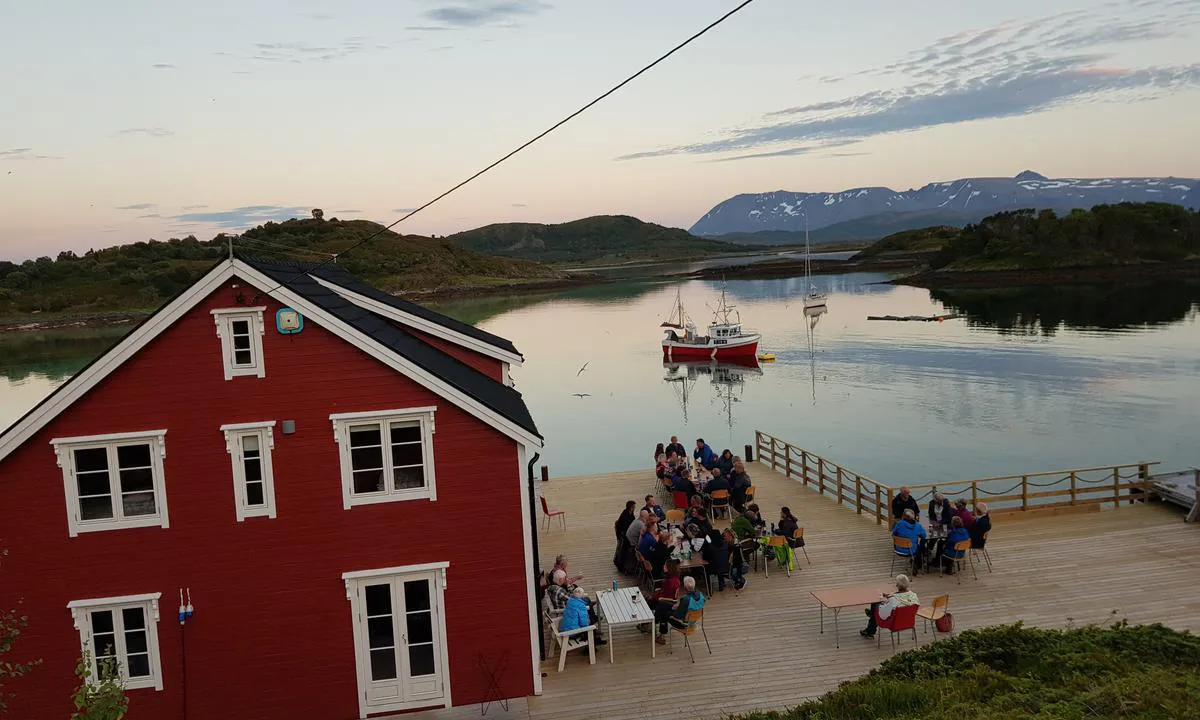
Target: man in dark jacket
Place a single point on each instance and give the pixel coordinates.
(905, 501)
(704, 454)
(675, 447)
(716, 553)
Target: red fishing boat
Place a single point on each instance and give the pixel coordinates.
(725, 339)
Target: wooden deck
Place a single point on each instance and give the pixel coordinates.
(1051, 569)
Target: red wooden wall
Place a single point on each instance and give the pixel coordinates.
(489, 366)
(271, 636)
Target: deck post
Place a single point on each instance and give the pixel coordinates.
(1024, 493)
(841, 499)
(974, 494)
(804, 466)
(774, 465)
(1194, 515)
(891, 519)
(1117, 487)
(821, 474)
(1074, 478)
(787, 461)
(878, 506)
(857, 495)
(1144, 479)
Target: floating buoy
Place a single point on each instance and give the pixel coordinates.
(766, 357)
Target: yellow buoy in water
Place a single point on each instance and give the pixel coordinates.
(766, 357)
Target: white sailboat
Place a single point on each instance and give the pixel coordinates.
(814, 300)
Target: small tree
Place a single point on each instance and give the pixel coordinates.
(11, 625)
(103, 699)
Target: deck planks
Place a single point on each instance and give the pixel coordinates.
(1051, 569)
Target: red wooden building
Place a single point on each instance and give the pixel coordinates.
(340, 479)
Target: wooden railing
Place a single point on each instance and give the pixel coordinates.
(1006, 493)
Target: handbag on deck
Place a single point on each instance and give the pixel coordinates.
(945, 623)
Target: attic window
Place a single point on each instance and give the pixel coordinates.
(241, 332)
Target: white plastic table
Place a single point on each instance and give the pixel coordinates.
(625, 606)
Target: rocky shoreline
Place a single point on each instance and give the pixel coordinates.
(1139, 274)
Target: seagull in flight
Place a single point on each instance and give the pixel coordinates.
(582, 368)
(581, 395)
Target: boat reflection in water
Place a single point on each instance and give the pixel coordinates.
(727, 378)
(813, 316)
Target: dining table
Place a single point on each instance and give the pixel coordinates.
(622, 607)
(836, 599)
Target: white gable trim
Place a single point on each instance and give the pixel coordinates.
(403, 365)
(440, 331)
(78, 386)
(86, 380)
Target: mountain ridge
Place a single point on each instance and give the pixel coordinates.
(956, 202)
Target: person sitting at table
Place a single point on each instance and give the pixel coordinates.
(697, 525)
(940, 511)
(788, 524)
(725, 462)
(702, 479)
(913, 531)
(961, 511)
(689, 599)
(981, 526)
(634, 533)
(716, 553)
(718, 482)
(671, 583)
(620, 527)
(676, 448)
(905, 501)
(739, 483)
(560, 563)
(704, 454)
(681, 481)
(888, 602)
(948, 554)
(660, 554)
(662, 467)
(649, 539)
(659, 451)
(654, 508)
(737, 560)
(575, 613)
(560, 593)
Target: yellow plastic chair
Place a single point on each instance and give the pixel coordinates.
(941, 605)
(964, 547)
(983, 551)
(799, 537)
(694, 620)
(902, 544)
(780, 543)
(720, 501)
(675, 516)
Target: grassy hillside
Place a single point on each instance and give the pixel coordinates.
(1131, 673)
(1127, 233)
(144, 274)
(600, 239)
(925, 240)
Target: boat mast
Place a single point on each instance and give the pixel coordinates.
(807, 267)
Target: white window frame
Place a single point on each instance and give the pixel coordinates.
(265, 433)
(64, 449)
(342, 422)
(81, 612)
(224, 319)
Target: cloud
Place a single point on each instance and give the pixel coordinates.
(519, 205)
(24, 154)
(845, 154)
(149, 216)
(243, 217)
(137, 206)
(147, 131)
(404, 210)
(788, 152)
(349, 212)
(479, 13)
(1009, 70)
(194, 207)
(299, 53)
(163, 66)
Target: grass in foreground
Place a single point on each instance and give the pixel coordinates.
(1134, 673)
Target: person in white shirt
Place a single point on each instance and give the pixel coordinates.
(888, 603)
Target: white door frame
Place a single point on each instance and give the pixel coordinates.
(436, 574)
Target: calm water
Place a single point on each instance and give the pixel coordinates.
(1032, 380)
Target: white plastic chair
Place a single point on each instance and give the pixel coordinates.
(569, 640)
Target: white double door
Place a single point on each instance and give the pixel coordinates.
(399, 639)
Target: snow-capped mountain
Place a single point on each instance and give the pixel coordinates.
(960, 201)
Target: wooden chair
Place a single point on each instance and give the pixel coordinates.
(780, 544)
(749, 494)
(720, 501)
(680, 498)
(675, 516)
(983, 551)
(551, 618)
(694, 619)
(902, 618)
(903, 548)
(941, 605)
(547, 513)
(648, 574)
(798, 541)
(569, 640)
(964, 547)
(750, 547)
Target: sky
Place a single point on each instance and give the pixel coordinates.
(136, 119)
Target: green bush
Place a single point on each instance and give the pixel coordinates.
(1134, 673)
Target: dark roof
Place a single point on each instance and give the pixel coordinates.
(338, 276)
(497, 396)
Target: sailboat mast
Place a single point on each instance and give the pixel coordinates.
(807, 267)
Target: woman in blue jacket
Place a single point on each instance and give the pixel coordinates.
(958, 533)
(575, 614)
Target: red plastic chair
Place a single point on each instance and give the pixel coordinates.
(547, 513)
(902, 618)
(681, 499)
